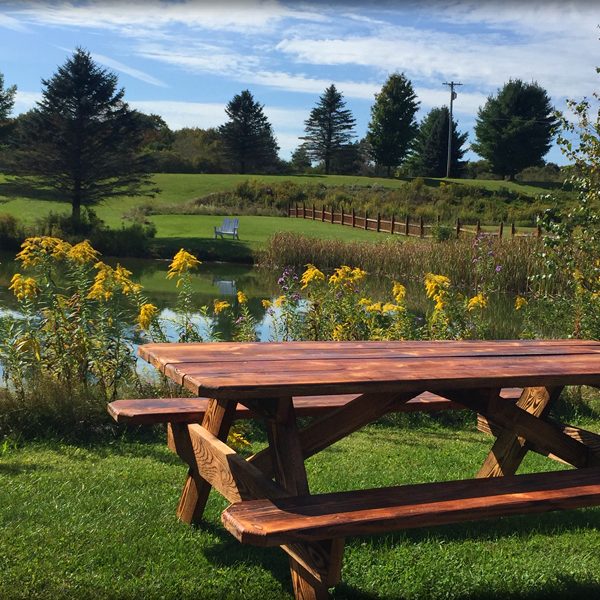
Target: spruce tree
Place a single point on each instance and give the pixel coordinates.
(248, 135)
(393, 125)
(329, 127)
(514, 129)
(7, 101)
(430, 148)
(82, 139)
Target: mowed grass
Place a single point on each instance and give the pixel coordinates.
(99, 521)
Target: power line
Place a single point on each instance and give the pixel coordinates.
(453, 95)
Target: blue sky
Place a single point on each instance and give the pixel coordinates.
(185, 59)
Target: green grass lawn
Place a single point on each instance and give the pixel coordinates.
(99, 521)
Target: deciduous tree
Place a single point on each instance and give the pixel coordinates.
(393, 125)
(248, 135)
(329, 127)
(82, 139)
(514, 129)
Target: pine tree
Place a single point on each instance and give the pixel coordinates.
(82, 139)
(514, 129)
(248, 135)
(430, 148)
(7, 101)
(393, 125)
(300, 160)
(329, 127)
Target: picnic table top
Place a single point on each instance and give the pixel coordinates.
(254, 370)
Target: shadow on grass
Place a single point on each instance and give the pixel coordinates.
(21, 468)
(15, 188)
(208, 249)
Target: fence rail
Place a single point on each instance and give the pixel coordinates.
(408, 226)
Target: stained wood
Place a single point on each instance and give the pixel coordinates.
(191, 410)
(322, 516)
(217, 420)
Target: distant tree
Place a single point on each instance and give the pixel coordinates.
(329, 127)
(156, 133)
(352, 159)
(393, 125)
(300, 161)
(514, 129)
(430, 148)
(248, 135)
(82, 139)
(7, 101)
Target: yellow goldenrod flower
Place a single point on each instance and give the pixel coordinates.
(121, 275)
(242, 298)
(24, 288)
(375, 307)
(182, 263)
(477, 301)
(398, 291)
(147, 313)
(520, 302)
(279, 301)
(267, 304)
(436, 287)
(33, 250)
(102, 287)
(347, 276)
(311, 274)
(220, 306)
(83, 253)
(339, 331)
(365, 302)
(389, 307)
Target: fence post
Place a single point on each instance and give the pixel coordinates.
(501, 229)
(421, 228)
(313, 212)
(478, 227)
(378, 222)
(303, 211)
(342, 217)
(512, 229)
(407, 226)
(332, 214)
(392, 224)
(366, 220)
(539, 230)
(353, 218)
(322, 213)
(296, 209)
(457, 228)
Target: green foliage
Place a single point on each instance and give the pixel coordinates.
(329, 127)
(248, 135)
(7, 101)
(300, 161)
(11, 232)
(82, 139)
(430, 149)
(393, 125)
(514, 129)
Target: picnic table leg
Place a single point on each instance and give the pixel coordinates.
(217, 420)
(288, 465)
(509, 449)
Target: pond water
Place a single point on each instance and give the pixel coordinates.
(223, 280)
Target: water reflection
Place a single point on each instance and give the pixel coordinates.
(223, 280)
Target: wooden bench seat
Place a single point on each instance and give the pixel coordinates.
(191, 410)
(341, 514)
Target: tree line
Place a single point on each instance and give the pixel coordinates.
(83, 140)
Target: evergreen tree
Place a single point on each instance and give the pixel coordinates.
(329, 127)
(82, 139)
(514, 129)
(248, 135)
(300, 160)
(430, 148)
(393, 125)
(7, 101)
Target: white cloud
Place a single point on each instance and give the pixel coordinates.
(135, 73)
(249, 16)
(25, 101)
(9, 22)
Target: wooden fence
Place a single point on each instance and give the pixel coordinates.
(413, 227)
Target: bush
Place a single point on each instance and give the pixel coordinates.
(11, 233)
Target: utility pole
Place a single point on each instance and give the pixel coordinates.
(452, 85)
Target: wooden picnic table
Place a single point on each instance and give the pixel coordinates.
(269, 492)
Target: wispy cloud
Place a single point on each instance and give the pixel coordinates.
(9, 22)
(122, 68)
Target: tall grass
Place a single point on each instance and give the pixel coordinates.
(410, 260)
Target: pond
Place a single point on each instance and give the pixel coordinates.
(223, 280)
